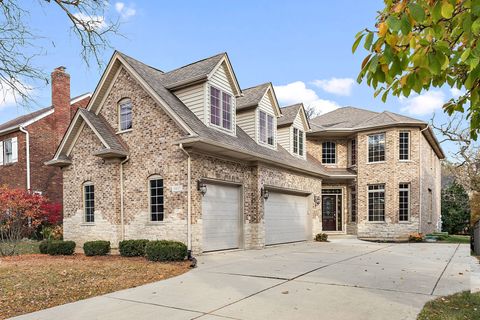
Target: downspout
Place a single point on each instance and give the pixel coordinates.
(189, 201)
(27, 139)
(122, 218)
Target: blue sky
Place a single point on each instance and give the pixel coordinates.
(302, 47)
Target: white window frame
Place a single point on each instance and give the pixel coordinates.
(150, 212)
(222, 92)
(13, 152)
(408, 145)
(121, 103)
(384, 147)
(85, 206)
(266, 129)
(298, 141)
(403, 189)
(334, 152)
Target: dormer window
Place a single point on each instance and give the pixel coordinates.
(298, 142)
(220, 108)
(266, 128)
(125, 114)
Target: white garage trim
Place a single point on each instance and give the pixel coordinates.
(286, 217)
(222, 216)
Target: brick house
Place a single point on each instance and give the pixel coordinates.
(188, 155)
(28, 141)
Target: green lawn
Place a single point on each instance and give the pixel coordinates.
(460, 306)
(26, 247)
(456, 239)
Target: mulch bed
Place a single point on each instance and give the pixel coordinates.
(33, 282)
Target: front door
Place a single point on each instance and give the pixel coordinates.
(329, 212)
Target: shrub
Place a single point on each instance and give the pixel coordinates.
(96, 248)
(321, 237)
(132, 248)
(59, 247)
(43, 246)
(165, 250)
(415, 237)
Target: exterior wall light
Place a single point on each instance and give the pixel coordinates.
(202, 187)
(317, 200)
(264, 193)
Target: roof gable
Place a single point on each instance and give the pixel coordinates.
(293, 113)
(232, 79)
(253, 96)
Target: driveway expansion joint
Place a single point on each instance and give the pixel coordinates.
(444, 269)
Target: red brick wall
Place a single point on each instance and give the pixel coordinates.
(61, 101)
(15, 175)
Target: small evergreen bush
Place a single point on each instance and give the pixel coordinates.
(96, 248)
(165, 250)
(321, 237)
(43, 246)
(132, 248)
(59, 247)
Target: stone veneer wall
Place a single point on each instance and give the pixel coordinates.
(391, 173)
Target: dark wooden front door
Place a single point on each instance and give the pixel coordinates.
(329, 212)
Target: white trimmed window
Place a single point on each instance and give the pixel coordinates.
(329, 153)
(9, 151)
(376, 202)
(376, 147)
(298, 142)
(404, 145)
(403, 201)
(125, 114)
(267, 134)
(89, 201)
(156, 196)
(220, 108)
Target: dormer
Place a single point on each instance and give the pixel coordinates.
(257, 114)
(209, 88)
(292, 129)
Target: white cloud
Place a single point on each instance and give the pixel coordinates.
(125, 11)
(456, 92)
(297, 91)
(426, 103)
(9, 97)
(92, 22)
(339, 86)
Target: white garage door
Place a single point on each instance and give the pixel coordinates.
(285, 218)
(221, 217)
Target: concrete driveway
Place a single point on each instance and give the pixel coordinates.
(343, 279)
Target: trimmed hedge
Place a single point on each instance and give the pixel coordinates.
(59, 247)
(321, 237)
(165, 250)
(132, 248)
(43, 246)
(96, 248)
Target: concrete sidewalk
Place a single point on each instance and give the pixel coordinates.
(343, 279)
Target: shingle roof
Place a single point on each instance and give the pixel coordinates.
(104, 129)
(191, 72)
(289, 114)
(355, 118)
(251, 96)
(242, 142)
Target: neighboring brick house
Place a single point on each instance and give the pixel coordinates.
(188, 155)
(28, 141)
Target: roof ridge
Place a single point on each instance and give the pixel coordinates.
(130, 57)
(195, 62)
(292, 105)
(258, 85)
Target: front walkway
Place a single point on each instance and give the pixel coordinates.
(343, 279)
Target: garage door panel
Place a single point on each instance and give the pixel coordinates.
(221, 217)
(285, 218)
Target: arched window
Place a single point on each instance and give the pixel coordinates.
(125, 114)
(89, 201)
(155, 186)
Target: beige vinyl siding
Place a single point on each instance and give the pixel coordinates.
(246, 121)
(221, 80)
(194, 98)
(284, 136)
(299, 123)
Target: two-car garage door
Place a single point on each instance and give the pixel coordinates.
(285, 218)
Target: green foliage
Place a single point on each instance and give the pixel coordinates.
(43, 246)
(165, 250)
(96, 248)
(59, 247)
(419, 44)
(321, 237)
(132, 248)
(455, 208)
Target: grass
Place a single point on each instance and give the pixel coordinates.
(33, 282)
(460, 306)
(26, 247)
(456, 239)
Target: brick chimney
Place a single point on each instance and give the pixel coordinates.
(61, 101)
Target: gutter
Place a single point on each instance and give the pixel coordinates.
(189, 200)
(122, 215)
(27, 138)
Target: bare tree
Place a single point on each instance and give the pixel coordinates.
(19, 44)
(465, 167)
(311, 112)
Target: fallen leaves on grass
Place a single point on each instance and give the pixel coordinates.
(459, 306)
(33, 282)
